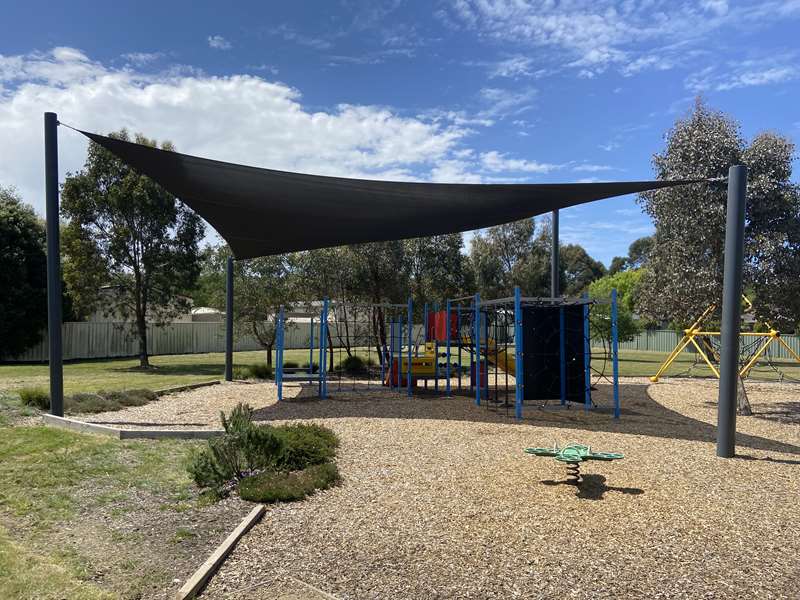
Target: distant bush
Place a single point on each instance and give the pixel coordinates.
(353, 365)
(247, 448)
(290, 364)
(36, 397)
(260, 371)
(240, 372)
(280, 486)
(105, 401)
(314, 367)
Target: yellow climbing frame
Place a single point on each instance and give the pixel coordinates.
(695, 332)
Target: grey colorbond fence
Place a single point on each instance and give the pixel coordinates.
(109, 340)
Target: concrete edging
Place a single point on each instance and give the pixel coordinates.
(130, 434)
(81, 426)
(200, 577)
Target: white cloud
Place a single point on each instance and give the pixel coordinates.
(496, 162)
(593, 35)
(748, 73)
(219, 43)
(290, 35)
(239, 118)
(590, 168)
(504, 102)
(142, 58)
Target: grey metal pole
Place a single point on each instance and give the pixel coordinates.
(731, 312)
(53, 264)
(554, 266)
(229, 320)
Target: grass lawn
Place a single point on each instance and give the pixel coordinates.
(180, 369)
(84, 516)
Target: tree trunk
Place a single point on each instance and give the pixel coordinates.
(742, 402)
(141, 329)
(269, 354)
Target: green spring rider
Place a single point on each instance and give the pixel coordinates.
(572, 455)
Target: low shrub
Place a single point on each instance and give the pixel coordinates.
(246, 448)
(282, 486)
(314, 367)
(353, 365)
(104, 401)
(305, 444)
(243, 448)
(36, 397)
(261, 371)
(290, 364)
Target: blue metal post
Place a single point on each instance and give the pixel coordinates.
(383, 359)
(323, 348)
(399, 351)
(436, 350)
(425, 319)
(391, 353)
(587, 355)
(518, 364)
(477, 349)
(562, 353)
(615, 350)
(279, 355)
(311, 351)
(458, 329)
(447, 366)
(410, 343)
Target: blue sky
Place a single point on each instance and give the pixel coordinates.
(461, 90)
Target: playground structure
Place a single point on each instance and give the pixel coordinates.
(753, 346)
(502, 352)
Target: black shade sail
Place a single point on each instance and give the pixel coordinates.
(261, 212)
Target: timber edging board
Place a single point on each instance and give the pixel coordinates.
(184, 388)
(200, 577)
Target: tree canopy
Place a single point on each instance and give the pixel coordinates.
(126, 233)
(685, 269)
(23, 275)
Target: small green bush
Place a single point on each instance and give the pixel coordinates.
(304, 445)
(36, 397)
(314, 367)
(261, 371)
(243, 448)
(290, 364)
(353, 365)
(104, 401)
(284, 486)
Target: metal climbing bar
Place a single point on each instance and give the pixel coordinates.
(615, 351)
(410, 343)
(587, 358)
(477, 343)
(518, 364)
(279, 354)
(447, 365)
(562, 354)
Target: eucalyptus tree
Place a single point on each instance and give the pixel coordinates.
(685, 267)
(128, 235)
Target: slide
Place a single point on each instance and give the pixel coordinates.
(503, 359)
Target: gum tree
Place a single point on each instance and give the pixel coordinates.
(128, 235)
(685, 265)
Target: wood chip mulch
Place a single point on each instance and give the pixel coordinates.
(439, 501)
